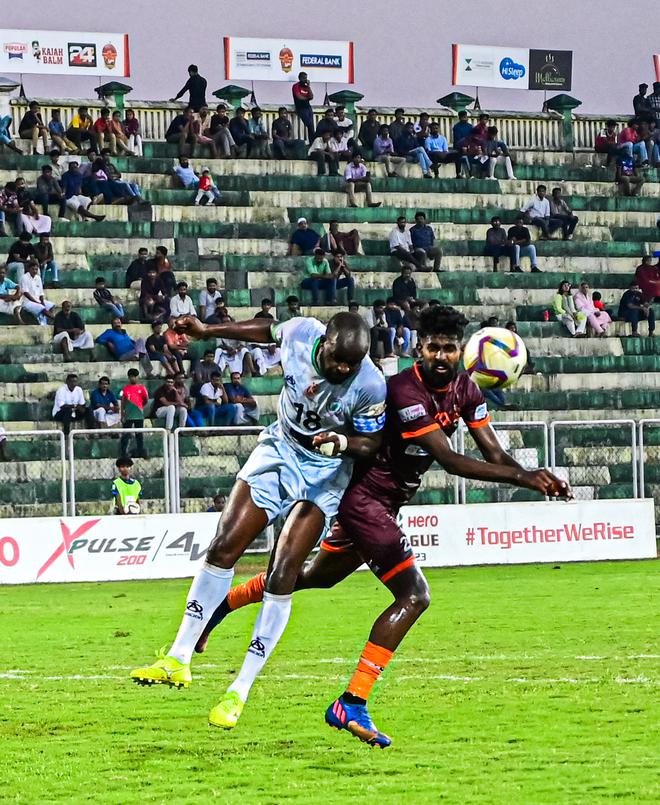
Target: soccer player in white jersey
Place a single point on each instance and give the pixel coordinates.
(330, 411)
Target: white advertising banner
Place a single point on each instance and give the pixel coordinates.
(486, 66)
(64, 53)
(253, 59)
(512, 533)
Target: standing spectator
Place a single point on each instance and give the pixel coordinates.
(245, 406)
(208, 299)
(69, 405)
(538, 211)
(401, 247)
(320, 277)
(32, 127)
(195, 86)
(302, 102)
(369, 130)
(126, 490)
(422, 237)
(105, 300)
(134, 398)
(49, 189)
(32, 293)
(186, 174)
(177, 343)
(240, 131)
(562, 213)
(284, 143)
(122, 347)
(207, 189)
(321, 153)
(641, 105)
(58, 134)
(292, 309)
(104, 405)
(563, 306)
(75, 200)
(399, 332)
(497, 243)
(259, 148)
(10, 297)
(461, 130)
(520, 241)
(157, 350)
(437, 148)
(380, 330)
(497, 152)
(6, 140)
(131, 126)
(632, 309)
(179, 132)
(69, 332)
(384, 150)
(303, 240)
(215, 407)
(266, 307)
(137, 270)
(182, 304)
(406, 145)
(398, 125)
(357, 179)
(80, 129)
(154, 301)
(654, 102)
(169, 404)
(21, 252)
(628, 176)
(598, 320)
(404, 288)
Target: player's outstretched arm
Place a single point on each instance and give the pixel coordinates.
(255, 330)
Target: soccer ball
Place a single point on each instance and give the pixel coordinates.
(495, 357)
(132, 508)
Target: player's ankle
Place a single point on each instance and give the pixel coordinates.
(350, 698)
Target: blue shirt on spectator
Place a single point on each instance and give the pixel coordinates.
(460, 131)
(120, 340)
(305, 239)
(236, 391)
(71, 183)
(422, 236)
(56, 127)
(98, 400)
(437, 143)
(7, 286)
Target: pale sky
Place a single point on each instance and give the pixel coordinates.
(402, 57)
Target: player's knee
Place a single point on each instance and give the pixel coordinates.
(220, 555)
(281, 579)
(419, 599)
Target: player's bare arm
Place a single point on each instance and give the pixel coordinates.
(254, 331)
(362, 446)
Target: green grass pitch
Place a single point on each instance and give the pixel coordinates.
(522, 685)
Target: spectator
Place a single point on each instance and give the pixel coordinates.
(10, 297)
(654, 102)
(69, 405)
(121, 138)
(326, 124)
(20, 254)
(259, 148)
(369, 130)
(266, 358)
(219, 503)
(398, 125)
(219, 131)
(207, 189)
(157, 350)
(400, 243)
(628, 176)
(105, 300)
(204, 369)
(597, 319)
(131, 127)
(177, 343)
(292, 309)
(632, 308)
(606, 141)
(240, 131)
(422, 237)
(498, 154)
(380, 330)
(182, 304)
(461, 130)
(303, 240)
(404, 288)
(58, 134)
(75, 200)
(215, 407)
(9, 207)
(537, 209)
(163, 268)
(320, 277)
(134, 398)
(80, 129)
(246, 408)
(399, 332)
(302, 98)
(648, 279)
(521, 242)
(32, 127)
(49, 189)
(383, 149)
(561, 213)
(497, 244)
(284, 143)
(169, 404)
(220, 314)
(339, 145)
(630, 143)
(195, 86)
(137, 270)
(411, 320)
(195, 418)
(264, 313)
(69, 332)
(437, 149)
(406, 145)
(32, 294)
(122, 187)
(122, 347)
(199, 131)
(6, 140)
(208, 299)
(422, 128)
(345, 125)
(103, 131)
(357, 179)
(30, 219)
(234, 356)
(529, 367)
(186, 174)
(641, 105)
(180, 132)
(104, 405)
(54, 163)
(563, 306)
(339, 244)
(126, 490)
(321, 153)
(154, 301)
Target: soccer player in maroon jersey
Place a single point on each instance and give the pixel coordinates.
(424, 406)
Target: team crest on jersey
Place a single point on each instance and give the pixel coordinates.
(310, 391)
(335, 406)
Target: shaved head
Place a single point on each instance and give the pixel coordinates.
(344, 346)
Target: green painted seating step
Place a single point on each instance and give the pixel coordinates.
(597, 364)
(185, 198)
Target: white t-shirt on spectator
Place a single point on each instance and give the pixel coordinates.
(537, 207)
(233, 363)
(32, 285)
(399, 238)
(207, 301)
(182, 307)
(207, 390)
(64, 396)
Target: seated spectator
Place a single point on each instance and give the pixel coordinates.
(607, 141)
(321, 153)
(246, 408)
(340, 244)
(186, 174)
(58, 134)
(461, 130)
(648, 279)
(285, 145)
(339, 145)
(169, 404)
(49, 189)
(537, 210)
(103, 131)
(208, 299)
(154, 300)
(54, 157)
(400, 243)
(422, 128)
(207, 189)
(199, 130)
(131, 127)
(632, 309)
(383, 150)
(234, 356)
(182, 304)
(380, 330)
(157, 350)
(563, 306)
(161, 263)
(10, 209)
(177, 343)
(259, 148)
(628, 176)
(31, 220)
(32, 127)
(399, 332)
(369, 130)
(134, 398)
(597, 319)
(10, 297)
(203, 370)
(137, 270)
(529, 366)
(70, 406)
(303, 240)
(498, 244)
(32, 294)
(220, 313)
(264, 313)
(179, 132)
(121, 138)
(398, 125)
(292, 309)
(105, 300)
(266, 358)
(357, 179)
(437, 149)
(411, 320)
(80, 129)
(21, 252)
(240, 131)
(69, 332)
(561, 213)
(498, 154)
(215, 407)
(320, 277)
(218, 504)
(344, 125)
(406, 145)
(121, 186)
(6, 139)
(219, 131)
(423, 239)
(122, 347)
(404, 288)
(104, 405)
(326, 124)
(74, 198)
(631, 144)
(195, 418)
(521, 242)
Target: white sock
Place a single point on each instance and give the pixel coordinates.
(207, 591)
(268, 628)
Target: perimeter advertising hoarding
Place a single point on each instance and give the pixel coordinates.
(64, 53)
(550, 69)
(486, 66)
(253, 59)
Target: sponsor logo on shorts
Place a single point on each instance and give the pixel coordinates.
(257, 647)
(411, 412)
(82, 54)
(194, 609)
(320, 60)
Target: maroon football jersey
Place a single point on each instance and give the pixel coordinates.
(414, 409)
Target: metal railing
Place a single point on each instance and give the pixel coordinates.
(35, 468)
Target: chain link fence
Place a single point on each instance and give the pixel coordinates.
(33, 473)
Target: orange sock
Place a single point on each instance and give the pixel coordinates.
(250, 592)
(371, 665)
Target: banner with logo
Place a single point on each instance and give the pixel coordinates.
(550, 69)
(486, 66)
(64, 53)
(253, 59)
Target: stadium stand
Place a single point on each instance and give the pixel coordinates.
(242, 242)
